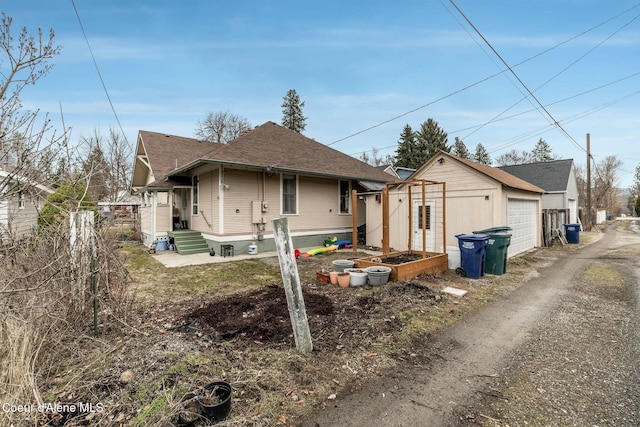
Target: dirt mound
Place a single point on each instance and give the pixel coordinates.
(259, 315)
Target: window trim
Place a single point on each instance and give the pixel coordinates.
(195, 192)
(21, 200)
(348, 197)
(296, 195)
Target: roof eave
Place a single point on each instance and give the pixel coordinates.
(199, 162)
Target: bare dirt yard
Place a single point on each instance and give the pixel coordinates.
(376, 349)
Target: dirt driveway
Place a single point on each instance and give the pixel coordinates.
(561, 349)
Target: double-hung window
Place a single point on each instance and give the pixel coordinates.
(345, 196)
(289, 194)
(195, 182)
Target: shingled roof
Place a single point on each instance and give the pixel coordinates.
(552, 176)
(273, 146)
(166, 152)
(499, 175)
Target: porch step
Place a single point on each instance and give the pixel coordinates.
(189, 242)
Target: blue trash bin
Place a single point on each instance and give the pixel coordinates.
(162, 244)
(572, 231)
(472, 254)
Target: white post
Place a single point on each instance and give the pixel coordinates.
(292, 288)
(80, 239)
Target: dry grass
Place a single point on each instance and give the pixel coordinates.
(272, 384)
(44, 315)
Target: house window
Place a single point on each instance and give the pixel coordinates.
(345, 196)
(20, 200)
(194, 198)
(427, 209)
(289, 194)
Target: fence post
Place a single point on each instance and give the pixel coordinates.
(292, 288)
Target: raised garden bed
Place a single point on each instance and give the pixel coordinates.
(408, 264)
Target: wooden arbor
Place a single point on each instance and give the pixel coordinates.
(431, 262)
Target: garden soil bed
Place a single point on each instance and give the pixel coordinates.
(408, 265)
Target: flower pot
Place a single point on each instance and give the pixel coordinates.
(343, 279)
(333, 277)
(358, 276)
(215, 400)
(378, 275)
(189, 411)
(340, 264)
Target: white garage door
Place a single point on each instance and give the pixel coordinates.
(522, 220)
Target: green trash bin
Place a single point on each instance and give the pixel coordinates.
(496, 251)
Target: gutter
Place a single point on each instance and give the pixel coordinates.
(200, 161)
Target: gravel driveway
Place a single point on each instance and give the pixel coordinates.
(581, 367)
(560, 350)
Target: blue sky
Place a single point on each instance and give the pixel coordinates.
(356, 64)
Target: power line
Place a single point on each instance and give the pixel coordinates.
(487, 78)
(95, 63)
(556, 75)
(531, 94)
(536, 132)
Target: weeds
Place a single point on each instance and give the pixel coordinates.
(46, 309)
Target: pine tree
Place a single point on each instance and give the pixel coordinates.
(430, 139)
(542, 152)
(292, 117)
(481, 155)
(406, 150)
(460, 150)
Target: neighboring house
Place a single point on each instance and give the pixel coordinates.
(560, 199)
(124, 205)
(20, 202)
(397, 171)
(558, 180)
(404, 173)
(476, 197)
(229, 193)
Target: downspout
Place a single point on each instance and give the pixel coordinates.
(220, 200)
(154, 210)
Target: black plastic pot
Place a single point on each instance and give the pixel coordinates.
(189, 411)
(221, 392)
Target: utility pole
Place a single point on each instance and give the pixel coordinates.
(588, 182)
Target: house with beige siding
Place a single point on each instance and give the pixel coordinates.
(465, 197)
(20, 202)
(228, 194)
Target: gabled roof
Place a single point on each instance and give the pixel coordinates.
(280, 149)
(9, 174)
(499, 175)
(165, 153)
(404, 173)
(550, 176)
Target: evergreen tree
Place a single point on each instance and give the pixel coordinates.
(481, 155)
(460, 150)
(430, 139)
(69, 197)
(292, 117)
(542, 152)
(95, 170)
(406, 151)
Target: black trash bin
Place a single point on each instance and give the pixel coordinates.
(472, 254)
(572, 232)
(497, 247)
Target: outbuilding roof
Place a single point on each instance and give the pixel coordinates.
(552, 176)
